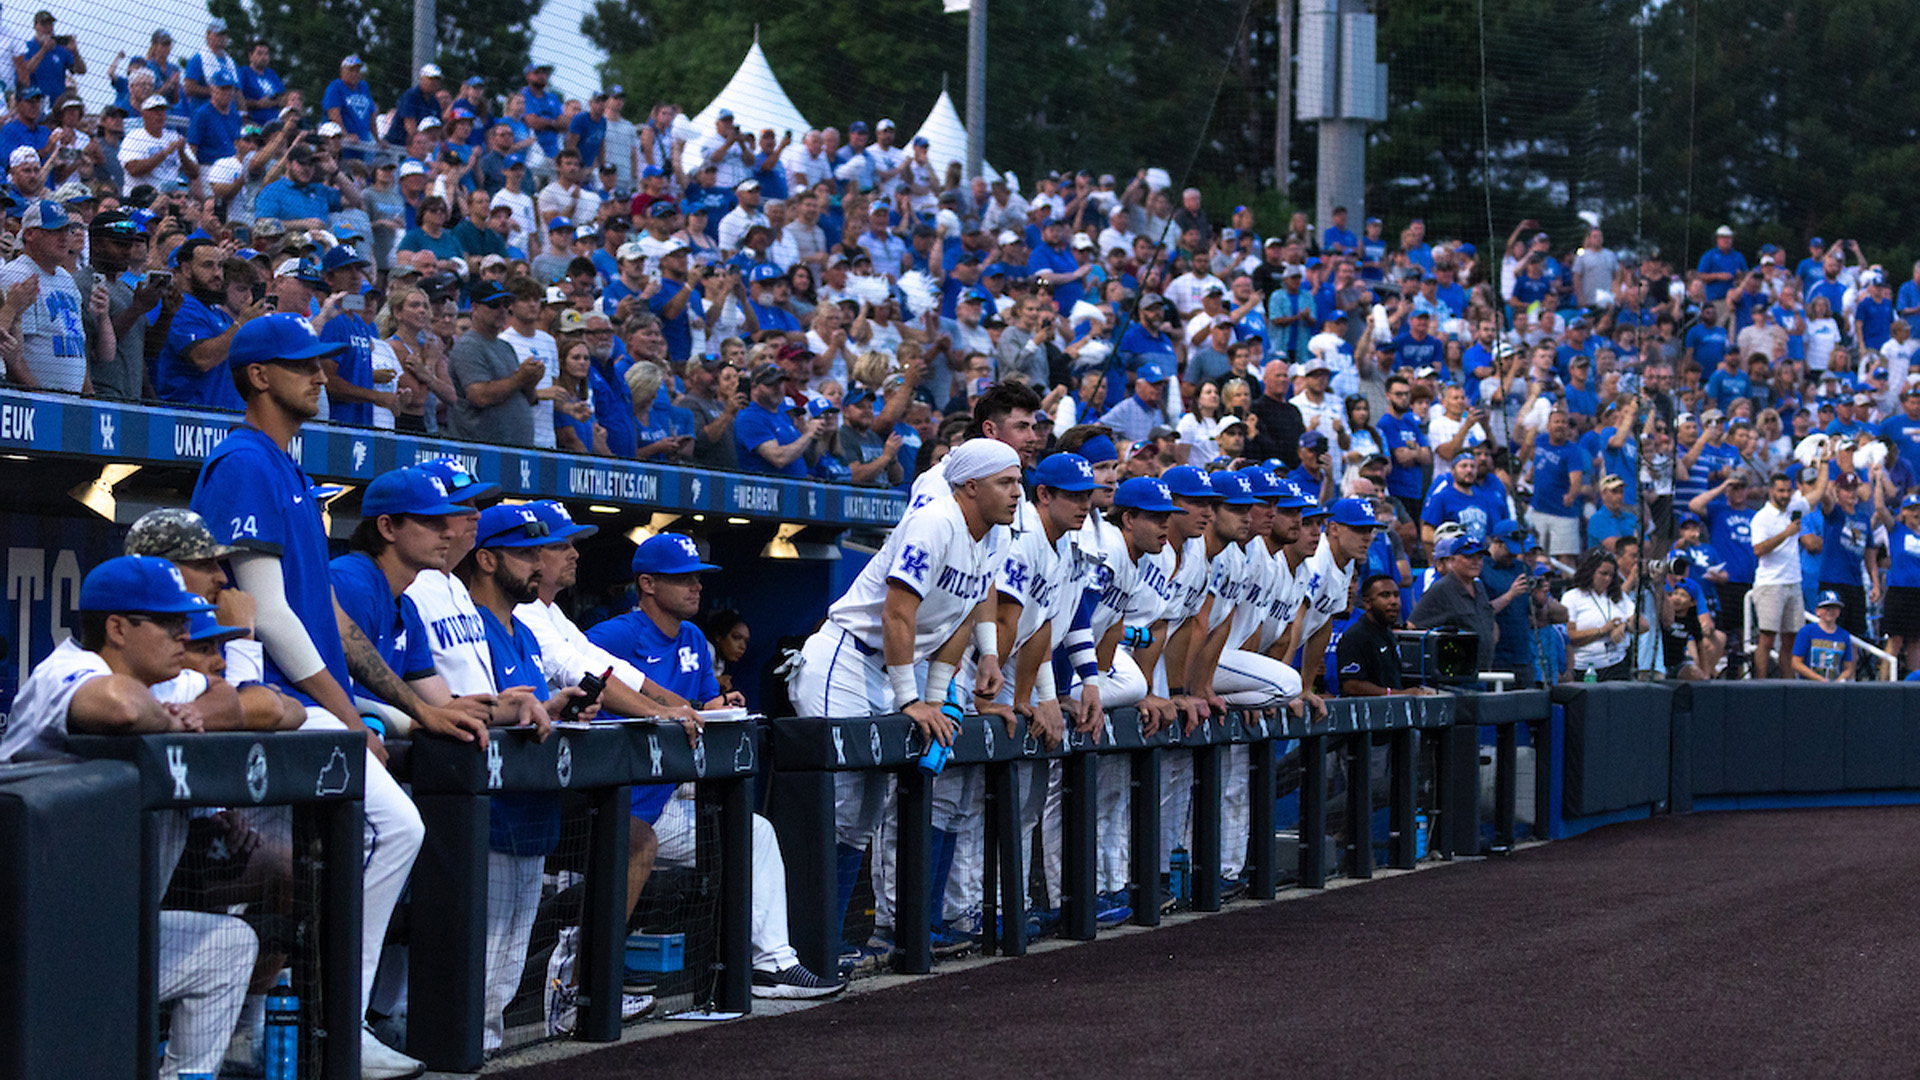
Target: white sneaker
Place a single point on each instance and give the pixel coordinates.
(563, 1007)
(378, 1061)
(635, 1006)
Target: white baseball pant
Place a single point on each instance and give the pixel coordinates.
(772, 950)
(205, 963)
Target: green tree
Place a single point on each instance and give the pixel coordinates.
(488, 37)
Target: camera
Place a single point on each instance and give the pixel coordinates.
(1679, 566)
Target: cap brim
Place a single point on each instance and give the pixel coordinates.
(187, 605)
(220, 633)
(684, 568)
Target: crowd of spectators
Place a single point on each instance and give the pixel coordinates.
(821, 306)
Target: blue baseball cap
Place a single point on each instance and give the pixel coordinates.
(339, 257)
(203, 627)
(139, 583)
(1292, 498)
(278, 337)
(1151, 372)
(764, 272)
(1313, 440)
(1509, 530)
(409, 491)
(663, 208)
(1313, 510)
(651, 171)
(819, 405)
(514, 161)
(1099, 449)
(1065, 472)
(1145, 493)
(461, 485)
(977, 293)
(1454, 545)
(1826, 597)
(1234, 489)
(1356, 513)
(670, 553)
(556, 224)
(560, 523)
(1265, 485)
(1907, 503)
(1816, 242)
(45, 214)
(1688, 517)
(512, 527)
(1188, 482)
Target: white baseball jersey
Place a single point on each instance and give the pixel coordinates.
(1251, 610)
(1227, 584)
(37, 727)
(566, 654)
(1114, 573)
(454, 632)
(1324, 584)
(1038, 576)
(931, 552)
(540, 346)
(1284, 593)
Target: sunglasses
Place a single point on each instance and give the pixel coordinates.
(170, 624)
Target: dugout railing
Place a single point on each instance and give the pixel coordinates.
(451, 784)
(319, 777)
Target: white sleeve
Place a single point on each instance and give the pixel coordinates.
(280, 631)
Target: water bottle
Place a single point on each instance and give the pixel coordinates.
(1180, 874)
(282, 1051)
(934, 761)
(1592, 675)
(1420, 836)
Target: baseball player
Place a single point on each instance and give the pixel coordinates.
(1127, 608)
(500, 573)
(1218, 676)
(660, 638)
(1328, 578)
(133, 630)
(257, 500)
(1004, 413)
(918, 599)
(1039, 587)
(182, 538)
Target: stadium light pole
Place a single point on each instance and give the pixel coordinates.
(425, 48)
(976, 86)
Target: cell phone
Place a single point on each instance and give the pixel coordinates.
(65, 41)
(259, 291)
(160, 279)
(273, 302)
(1795, 516)
(356, 302)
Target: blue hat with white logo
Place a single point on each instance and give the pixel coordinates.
(411, 491)
(1264, 484)
(1189, 482)
(1145, 493)
(670, 553)
(339, 257)
(1151, 372)
(764, 272)
(1292, 498)
(506, 526)
(1356, 513)
(560, 523)
(139, 583)
(1065, 472)
(461, 485)
(281, 336)
(1457, 545)
(45, 214)
(1828, 597)
(203, 627)
(1234, 489)
(818, 406)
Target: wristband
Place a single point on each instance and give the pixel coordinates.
(1176, 691)
(906, 690)
(1096, 681)
(1043, 684)
(939, 680)
(986, 639)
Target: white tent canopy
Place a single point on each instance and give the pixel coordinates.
(947, 139)
(756, 99)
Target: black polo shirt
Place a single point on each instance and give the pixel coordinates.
(1369, 652)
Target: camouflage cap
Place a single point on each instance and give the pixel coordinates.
(177, 534)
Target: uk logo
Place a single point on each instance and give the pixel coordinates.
(177, 768)
(526, 474)
(494, 764)
(106, 431)
(1016, 575)
(689, 659)
(915, 560)
(654, 754)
